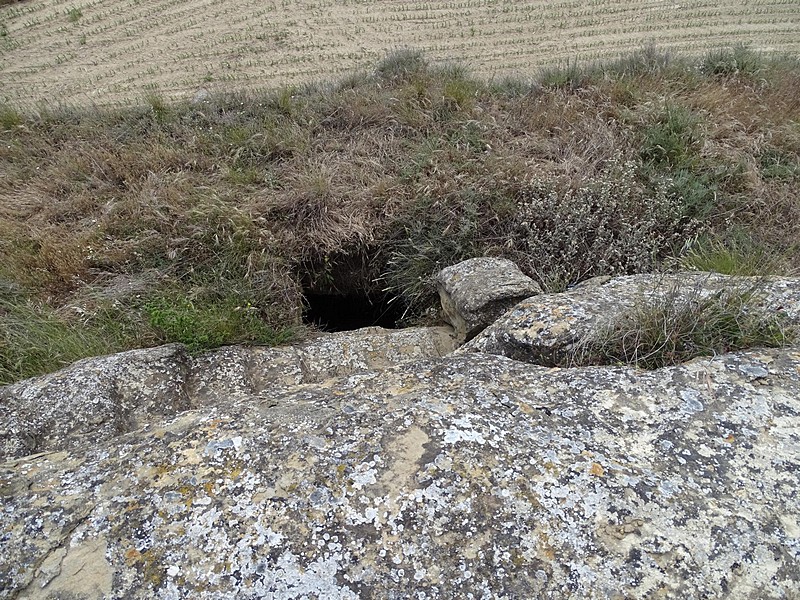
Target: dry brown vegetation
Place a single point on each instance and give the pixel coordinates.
(207, 222)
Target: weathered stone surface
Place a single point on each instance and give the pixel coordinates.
(100, 398)
(439, 478)
(477, 291)
(372, 464)
(543, 329)
(93, 400)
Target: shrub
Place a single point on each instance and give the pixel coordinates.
(611, 225)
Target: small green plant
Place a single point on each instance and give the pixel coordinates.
(82, 40)
(673, 139)
(683, 324)
(74, 15)
(776, 164)
(158, 104)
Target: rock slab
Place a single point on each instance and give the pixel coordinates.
(98, 399)
(544, 329)
(379, 464)
(477, 291)
(438, 478)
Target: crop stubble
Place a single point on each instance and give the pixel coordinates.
(116, 51)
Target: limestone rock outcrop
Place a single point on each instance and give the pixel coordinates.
(97, 399)
(545, 328)
(477, 291)
(93, 400)
(375, 464)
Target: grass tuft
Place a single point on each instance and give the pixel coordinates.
(740, 60)
(683, 325)
(734, 254)
(402, 65)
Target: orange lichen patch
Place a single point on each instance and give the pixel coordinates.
(132, 555)
(597, 470)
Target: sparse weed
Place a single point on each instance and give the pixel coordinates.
(74, 15)
(649, 61)
(434, 236)
(777, 164)
(571, 76)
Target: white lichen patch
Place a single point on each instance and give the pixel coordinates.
(596, 481)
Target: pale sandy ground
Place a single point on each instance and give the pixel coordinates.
(120, 50)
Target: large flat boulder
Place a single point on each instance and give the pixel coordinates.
(467, 475)
(545, 329)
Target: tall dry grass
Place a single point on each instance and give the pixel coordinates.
(241, 202)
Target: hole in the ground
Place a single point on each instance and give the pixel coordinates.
(345, 312)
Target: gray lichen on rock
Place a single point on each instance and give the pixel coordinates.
(433, 477)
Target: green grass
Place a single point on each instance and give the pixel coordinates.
(34, 339)
(209, 324)
(736, 254)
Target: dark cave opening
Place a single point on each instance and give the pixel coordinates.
(345, 312)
